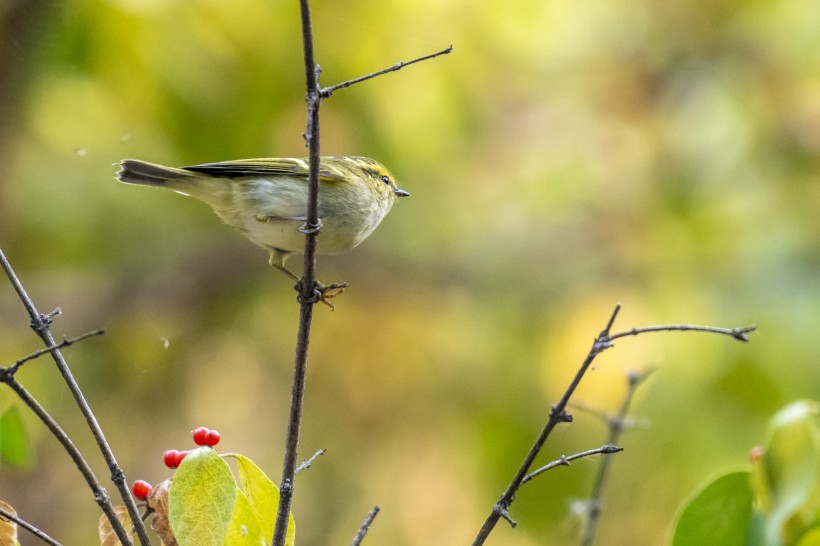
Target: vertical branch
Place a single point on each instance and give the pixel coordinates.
(40, 324)
(306, 286)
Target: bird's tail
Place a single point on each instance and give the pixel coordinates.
(134, 171)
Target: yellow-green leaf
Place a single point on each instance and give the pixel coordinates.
(244, 528)
(263, 497)
(202, 499)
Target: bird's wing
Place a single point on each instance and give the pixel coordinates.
(242, 168)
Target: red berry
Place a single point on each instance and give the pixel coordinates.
(170, 458)
(212, 438)
(141, 489)
(180, 455)
(199, 435)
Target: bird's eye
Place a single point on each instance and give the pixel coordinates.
(386, 179)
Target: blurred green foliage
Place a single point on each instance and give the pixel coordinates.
(566, 156)
(775, 502)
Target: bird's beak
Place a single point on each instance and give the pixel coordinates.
(401, 193)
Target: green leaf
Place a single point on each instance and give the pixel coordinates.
(13, 446)
(263, 497)
(720, 513)
(202, 499)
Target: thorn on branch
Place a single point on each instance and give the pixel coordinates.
(502, 511)
(44, 320)
(286, 487)
(560, 417)
(563, 461)
(602, 343)
(101, 496)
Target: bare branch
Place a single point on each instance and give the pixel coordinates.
(40, 323)
(558, 413)
(327, 91)
(365, 527)
(310, 291)
(306, 285)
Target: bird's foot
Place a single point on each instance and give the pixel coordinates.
(321, 292)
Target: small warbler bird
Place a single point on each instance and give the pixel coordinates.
(266, 199)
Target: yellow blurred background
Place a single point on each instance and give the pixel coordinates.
(565, 157)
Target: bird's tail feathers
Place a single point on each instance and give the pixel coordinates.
(134, 171)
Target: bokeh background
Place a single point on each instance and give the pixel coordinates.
(565, 157)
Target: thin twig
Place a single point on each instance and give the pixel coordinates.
(616, 427)
(29, 527)
(40, 324)
(327, 91)
(558, 414)
(65, 343)
(565, 460)
(740, 334)
(306, 464)
(365, 527)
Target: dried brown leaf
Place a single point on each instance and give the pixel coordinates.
(8, 529)
(158, 501)
(106, 531)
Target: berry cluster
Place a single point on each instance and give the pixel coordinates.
(172, 458)
(206, 437)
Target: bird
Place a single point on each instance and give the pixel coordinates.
(266, 199)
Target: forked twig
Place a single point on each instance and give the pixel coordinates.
(558, 413)
(40, 323)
